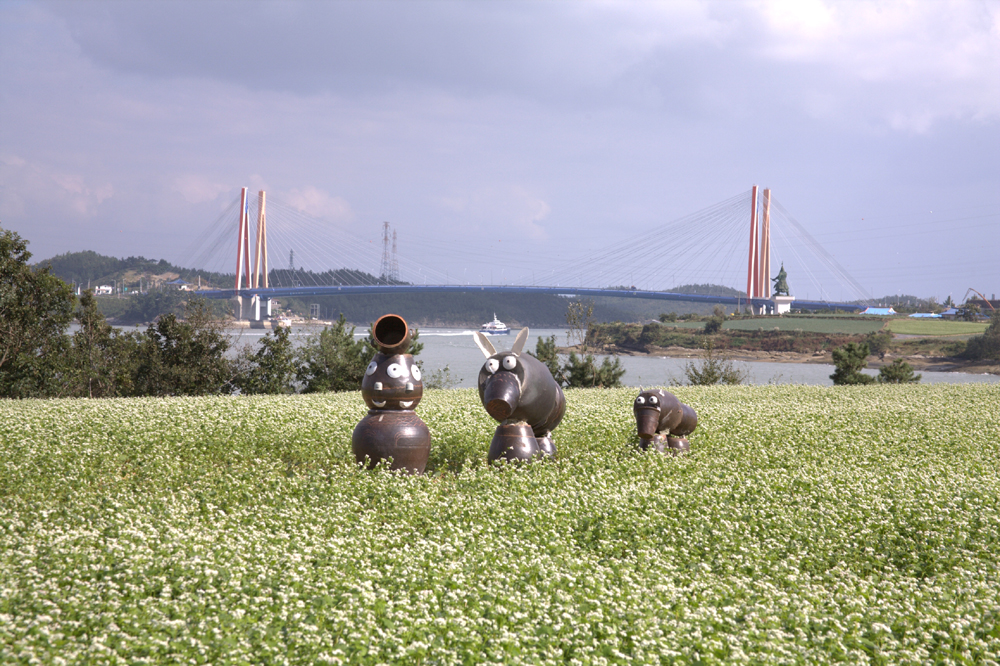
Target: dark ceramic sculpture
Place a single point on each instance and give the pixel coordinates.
(663, 422)
(519, 391)
(392, 389)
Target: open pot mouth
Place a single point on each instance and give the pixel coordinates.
(392, 334)
(501, 396)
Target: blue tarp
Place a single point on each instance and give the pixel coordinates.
(878, 311)
(926, 314)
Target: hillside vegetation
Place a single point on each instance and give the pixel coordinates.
(808, 525)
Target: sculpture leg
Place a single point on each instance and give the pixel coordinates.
(546, 447)
(513, 441)
(658, 442)
(678, 445)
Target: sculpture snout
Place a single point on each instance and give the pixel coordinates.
(647, 421)
(501, 396)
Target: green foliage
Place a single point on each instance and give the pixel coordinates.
(986, 347)
(36, 307)
(144, 308)
(668, 317)
(897, 372)
(879, 342)
(714, 369)
(714, 323)
(185, 357)
(578, 371)
(441, 379)
(269, 368)
(583, 372)
(545, 351)
(332, 360)
(104, 361)
(579, 317)
(808, 526)
(970, 312)
(849, 361)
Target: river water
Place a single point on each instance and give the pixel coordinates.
(455, 348)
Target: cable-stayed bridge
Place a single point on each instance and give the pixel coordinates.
(730, 243)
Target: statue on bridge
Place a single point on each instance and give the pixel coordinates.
(780, 282)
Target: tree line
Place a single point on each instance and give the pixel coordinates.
(40, 358)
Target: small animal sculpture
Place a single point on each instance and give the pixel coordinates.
(663, 421)
(519, 391)
(392, 389)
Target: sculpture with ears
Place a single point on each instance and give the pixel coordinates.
(663, 421)
(519, 391)
(392, 388)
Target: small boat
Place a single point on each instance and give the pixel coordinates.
(495, 327)
(284, 322)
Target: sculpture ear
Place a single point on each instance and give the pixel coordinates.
(484, 344)
(522, 337)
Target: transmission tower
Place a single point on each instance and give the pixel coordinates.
(386, 272)
(395, 261)
(291, 260)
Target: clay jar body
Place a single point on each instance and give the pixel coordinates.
(663, 422)
(392, 388)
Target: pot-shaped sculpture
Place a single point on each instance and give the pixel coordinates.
(663, 422)
(519, 391)
(392, 388)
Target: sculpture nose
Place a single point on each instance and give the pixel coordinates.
(647, 419)
(501, 395)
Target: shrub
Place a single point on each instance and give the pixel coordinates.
(897, 372)
(850, 360)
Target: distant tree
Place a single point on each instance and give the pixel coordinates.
(268, 368)
(879, 343)
(185, 357)
(36, 307)
(103, 361)
(579, 316)
(897, 372)
(583, 372)
(668, 317)
(970, 312)
(144, 308)
(715, 370)
(441, 379)
(545, 351)
(986, 346)
(849, 361)
(332, 360)
(714, 323)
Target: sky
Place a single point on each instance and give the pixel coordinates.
(512, 137)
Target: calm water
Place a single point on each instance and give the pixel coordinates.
(455, 348)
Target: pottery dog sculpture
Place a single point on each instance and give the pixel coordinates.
(663, 421)
(392, 388)
(519, 391)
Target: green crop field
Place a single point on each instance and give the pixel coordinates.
(851, 326)
(808, 525)
(936, 327)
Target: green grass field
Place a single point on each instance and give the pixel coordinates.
(855, 326)
(809, 525)
(936, 327)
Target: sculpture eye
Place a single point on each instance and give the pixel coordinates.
(492, 365)
(640, 400)
(509, 362)
(372, 367)
(653, 400)
(415, 371)
(395, 370)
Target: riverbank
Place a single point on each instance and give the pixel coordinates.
(919, 362)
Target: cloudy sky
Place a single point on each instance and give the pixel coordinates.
(487, 132)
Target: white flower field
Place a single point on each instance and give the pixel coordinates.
(808, 525)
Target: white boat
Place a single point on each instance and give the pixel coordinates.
(495, 327)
